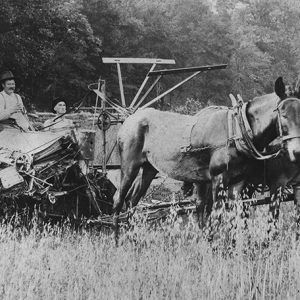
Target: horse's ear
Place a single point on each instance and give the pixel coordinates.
(280, 88)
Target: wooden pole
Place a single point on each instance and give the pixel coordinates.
(121, 85)
(170, 90)
(141, 87)
(103, 106)
(147, 93)
(96, 104)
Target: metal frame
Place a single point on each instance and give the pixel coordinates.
(187, 70)
(139, 98)
(154, 73)
(118, 61)
(128, 60)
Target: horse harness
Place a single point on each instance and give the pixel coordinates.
(240, 133)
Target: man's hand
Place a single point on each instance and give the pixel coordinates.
(15, 108)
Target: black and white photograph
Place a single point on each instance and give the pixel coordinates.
(149, 149)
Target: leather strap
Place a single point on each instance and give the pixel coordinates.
(247, 135)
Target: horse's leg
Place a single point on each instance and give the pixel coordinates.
(202, 203)
(127, 177)
(274, 206)
(235, 190)
(141, 184)
(129, 171)
(296, 190)
(216, 182)
(131, 161)
(207, 195)
(235, 193)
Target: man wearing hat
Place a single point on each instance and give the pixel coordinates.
(59, 122)
(11, 104)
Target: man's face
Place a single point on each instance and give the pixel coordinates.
(9, 86)
(60, 107)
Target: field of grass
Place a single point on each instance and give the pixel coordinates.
(169, 260)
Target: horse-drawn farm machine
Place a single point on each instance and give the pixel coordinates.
(74, 173)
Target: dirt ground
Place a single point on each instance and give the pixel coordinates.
(164, 185)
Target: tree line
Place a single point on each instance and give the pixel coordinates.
(55, 47)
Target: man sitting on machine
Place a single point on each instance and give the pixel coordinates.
(12, 110)
(59, 122)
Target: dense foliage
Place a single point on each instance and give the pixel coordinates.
(55, 47)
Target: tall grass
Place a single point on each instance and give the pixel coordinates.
(167, 260)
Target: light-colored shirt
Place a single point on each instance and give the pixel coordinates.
(59, 124)
(6, 103)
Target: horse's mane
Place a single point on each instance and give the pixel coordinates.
(271, 100)
(266, 97)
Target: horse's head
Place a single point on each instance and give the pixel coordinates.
(277, 115)
(289, 126)
(284, 91)
(288, 110)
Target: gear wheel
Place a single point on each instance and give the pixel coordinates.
(104, 121)
(23, 162)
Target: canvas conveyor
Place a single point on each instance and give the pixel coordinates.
(43, 171)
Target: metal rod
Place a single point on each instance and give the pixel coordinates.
(92, 198)
(130, 60)
(103, 106)
(118, 108)
(121, 85)
(186, 70)
(111, 152)
(266, 200)
(148, 92)
(171, 89)
(36, 178)
(166, 204)
(96, 104)
(142, 87)
(77, 206)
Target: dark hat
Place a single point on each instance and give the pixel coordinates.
(7, 75)
(56, 101)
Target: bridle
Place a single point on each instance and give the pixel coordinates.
(283, 137)
(247, 133)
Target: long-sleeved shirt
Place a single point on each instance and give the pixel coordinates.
(59, 124)
(6, 103)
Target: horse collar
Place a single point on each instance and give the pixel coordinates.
(245, 144)
(245, 120)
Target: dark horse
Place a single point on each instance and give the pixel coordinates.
(197, 148)
(273, 173)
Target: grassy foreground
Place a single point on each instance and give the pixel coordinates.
(172, 260)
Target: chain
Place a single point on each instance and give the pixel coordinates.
(190, 149)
